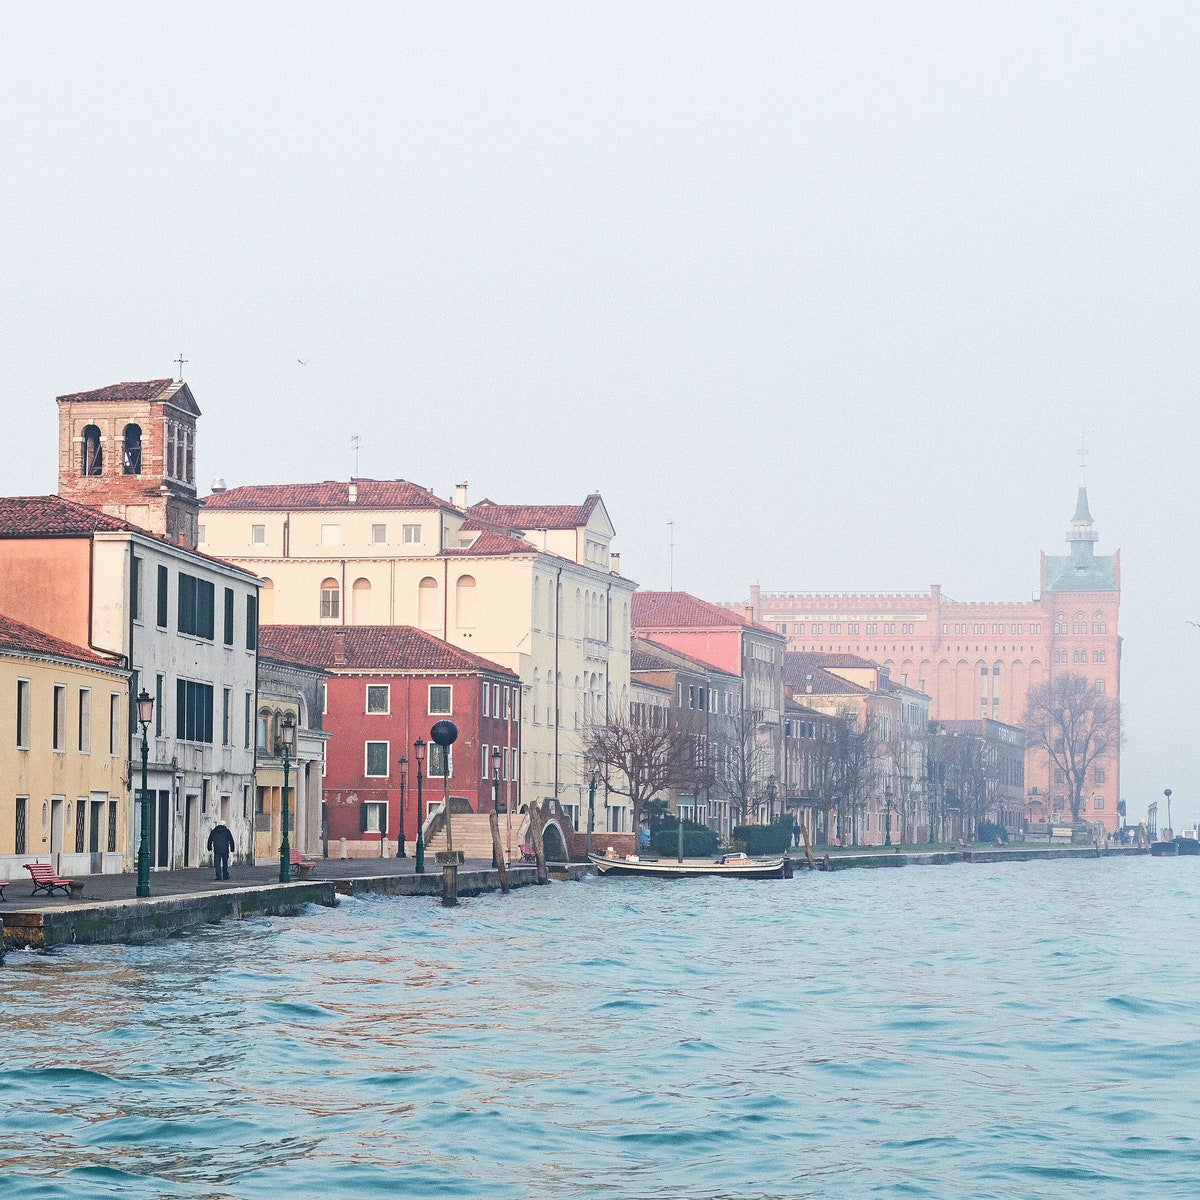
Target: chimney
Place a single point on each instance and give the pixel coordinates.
(460, 495)
(218, 485)
(614, 564)
(339, 647)
(352, 492)
(755, 601)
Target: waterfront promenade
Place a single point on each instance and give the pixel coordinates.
(109, 911)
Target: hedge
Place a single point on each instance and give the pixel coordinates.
(765, 839)
(698, 840)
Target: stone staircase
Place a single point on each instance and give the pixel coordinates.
(472, 835)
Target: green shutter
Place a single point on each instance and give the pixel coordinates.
(181, 709)
(162, 597)
(187, 604)
(229, 616)
(362, 818)
(251, 622)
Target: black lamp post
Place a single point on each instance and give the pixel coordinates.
(906, 792)
(496, 756)
(591, 825)
(444, 734)
(287, 735)
(401, 852)
(145, 711)
(419, 755)
(887, 797)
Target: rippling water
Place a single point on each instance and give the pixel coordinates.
(1023, 1030)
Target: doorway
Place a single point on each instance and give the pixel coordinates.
(191, 830)
(57, 815)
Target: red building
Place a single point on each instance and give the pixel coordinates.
(388, 685)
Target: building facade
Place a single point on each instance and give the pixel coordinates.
(386, 686)
(64, 757)
(979, 660)
(533, 588)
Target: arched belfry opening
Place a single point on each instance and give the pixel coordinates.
(92, 451)
(131, 461)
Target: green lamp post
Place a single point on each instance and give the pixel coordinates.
(287, 736)
(401, 852)
(591, 807)
(887, 796)
(496, 756)
(419, 755)
(444, 734)
(145, 711)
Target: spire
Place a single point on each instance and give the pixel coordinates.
(1081, 530)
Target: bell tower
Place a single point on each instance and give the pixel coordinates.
(129, 450)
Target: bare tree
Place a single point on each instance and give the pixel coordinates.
(1075, 724)
(749, 764)
(640, 760)
(856, 768)
(966, 778)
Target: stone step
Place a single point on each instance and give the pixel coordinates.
(472, 835)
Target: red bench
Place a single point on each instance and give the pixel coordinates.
(300, 864)
(45, 880)
(3, 884)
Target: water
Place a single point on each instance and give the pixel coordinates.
(1022, 1030)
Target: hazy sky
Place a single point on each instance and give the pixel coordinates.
(835, 287)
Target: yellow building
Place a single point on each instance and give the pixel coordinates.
(63, 755)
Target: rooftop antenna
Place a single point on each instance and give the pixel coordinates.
(671, 572)
(355, 445)
(181, 360)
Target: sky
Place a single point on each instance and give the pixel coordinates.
(838, 289)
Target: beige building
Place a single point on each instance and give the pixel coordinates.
(532, 587)
(63, 756)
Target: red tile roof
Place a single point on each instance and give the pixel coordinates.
(668, 658)
(369, 648)
(149, 389)
(535, 516)
(799, 666)
(19, 638)
(490, 542)
(52, 516)
(679, 610)
(372, 493)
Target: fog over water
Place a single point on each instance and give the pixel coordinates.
(834, 287)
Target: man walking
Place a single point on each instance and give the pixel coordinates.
(220, 842)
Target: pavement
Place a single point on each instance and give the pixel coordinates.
(200, 880)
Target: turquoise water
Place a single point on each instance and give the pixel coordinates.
(1024, 1030)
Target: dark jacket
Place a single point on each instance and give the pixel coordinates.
(220, 841)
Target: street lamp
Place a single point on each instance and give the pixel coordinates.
(594, 771)
(419, 755)
(1170, 831)
(400, 850)
(906, 791)
(145, 711)
(496, 756)
(444, 733)
(287, 735)
(887, 796)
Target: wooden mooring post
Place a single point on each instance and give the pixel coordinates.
(807, 847)
(539, 851)
(498, 850)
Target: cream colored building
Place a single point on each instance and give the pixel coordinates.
(532, 587)
(62, 757)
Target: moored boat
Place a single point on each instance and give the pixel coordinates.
(728, 866)
(1187, 845)
(1164, 849)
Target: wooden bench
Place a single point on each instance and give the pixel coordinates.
(45, 880)
(3, 884)
(303, 867)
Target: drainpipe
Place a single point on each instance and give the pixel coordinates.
(557, 673)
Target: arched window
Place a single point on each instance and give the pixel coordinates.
(464, 601)
(131, 461)
(265, 732)
(331, 599)
(360, 600)
(427, 604)
(537, 606)
(266, 603)
(93, 453)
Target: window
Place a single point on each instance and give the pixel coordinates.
(22, 826)
(135, 587)
(85, 720)
(158, 706)
(440, 699)
(377, 759)
(378, 535)
(80, 825)
(114, 724)
(196, 601)
(331, 535)
(1098, 774)
(485, 691)
(331, 599)
(1098, 803)
(131, 459)
(93, 454)
(112, 826)
(1099, 685)
(411, 535)
(229, 616)
(378, 698)
(258, 535)
(59, 728)
(162, 597)
(251, 622)
(248, 719)
(226, 716)
(438, 758)
(193, 711)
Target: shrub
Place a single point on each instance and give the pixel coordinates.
(765, 839)
(989, 831)
(698, 840)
